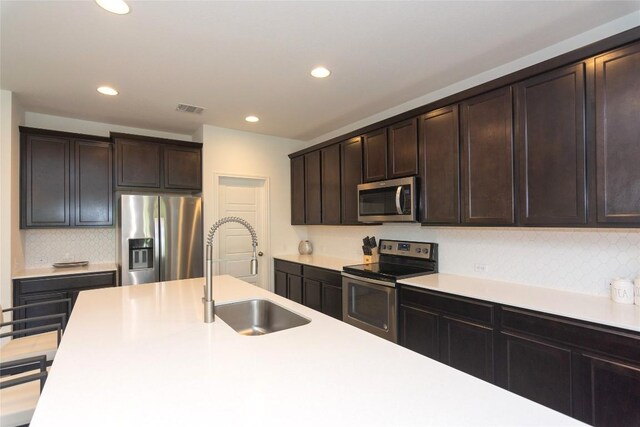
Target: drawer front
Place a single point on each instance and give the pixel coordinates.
(322, 275)
(55, 283)
(463, 308)
(288, 267)
(606, 340)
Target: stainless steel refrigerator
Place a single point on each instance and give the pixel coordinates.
(159, 238)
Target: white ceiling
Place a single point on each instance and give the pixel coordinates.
(241, 58)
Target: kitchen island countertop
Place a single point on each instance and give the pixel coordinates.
(142, 355)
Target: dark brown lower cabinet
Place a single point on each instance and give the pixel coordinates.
(317, 288)
(419, 331)
(468, 347)
(43, 289)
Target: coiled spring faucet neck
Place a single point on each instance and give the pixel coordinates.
(209, 304)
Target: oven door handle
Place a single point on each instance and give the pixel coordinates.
(398, 194)
(369, 280)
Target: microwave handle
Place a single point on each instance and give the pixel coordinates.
(398, 194)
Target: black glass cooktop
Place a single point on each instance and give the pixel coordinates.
(386, 271)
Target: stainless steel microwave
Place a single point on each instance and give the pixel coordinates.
(393, 200)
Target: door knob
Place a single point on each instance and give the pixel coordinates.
(260, 253)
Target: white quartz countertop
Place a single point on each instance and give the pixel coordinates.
(53, 271)
(579, 306)
(142, 355)
(320, 261)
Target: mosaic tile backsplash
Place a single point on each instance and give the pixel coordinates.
(571, 259)
(44, 247)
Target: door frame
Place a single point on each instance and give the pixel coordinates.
(265, 223)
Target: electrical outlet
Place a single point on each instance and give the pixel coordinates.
(481, 268)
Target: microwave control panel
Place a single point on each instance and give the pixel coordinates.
(407, 249)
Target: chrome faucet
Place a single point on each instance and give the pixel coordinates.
(209, 303)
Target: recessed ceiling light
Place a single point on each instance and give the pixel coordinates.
(252, 119)
(119, 7)
(320, 72)
(106, 90)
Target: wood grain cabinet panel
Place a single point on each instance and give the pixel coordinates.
(294, 288)
(312, 186)
(419, 331)
(280, 283)
(617, 81)
(375, 155)
(46, 173)
(297, 191)
(467, 347)
(93, 183)
(351, 176)
(182, 168)
(403, 149)
(487, 159)
(439, 167)
(312, 295)
(330, 184)
(550, 135)
(332, 299)
(137, 163)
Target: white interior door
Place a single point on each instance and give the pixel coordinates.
(245, 198)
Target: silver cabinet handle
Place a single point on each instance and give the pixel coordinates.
(398, 194)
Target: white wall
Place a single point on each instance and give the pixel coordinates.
(233, 152)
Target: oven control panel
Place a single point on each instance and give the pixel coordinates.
(407, 249)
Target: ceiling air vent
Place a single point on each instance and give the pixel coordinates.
(186, 108)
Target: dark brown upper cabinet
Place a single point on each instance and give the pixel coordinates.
(550, 141)
(375, 155)
(351, 176)
(312, 193)
(439, 166)
(617, 109)
(487, 159)
(94, 183)
(297, 191)
(182, 168)
(152, 164)
(403, 149)
(330, 184)
(65, 179)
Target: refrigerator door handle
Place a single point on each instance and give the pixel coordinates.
(157, 249)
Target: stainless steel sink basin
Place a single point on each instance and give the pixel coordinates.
(258, 317)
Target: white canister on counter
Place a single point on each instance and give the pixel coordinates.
(637, 289)
(622, 291)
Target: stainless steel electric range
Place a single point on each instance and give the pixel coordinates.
(369, 290)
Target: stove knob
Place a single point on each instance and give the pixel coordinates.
(418, 250)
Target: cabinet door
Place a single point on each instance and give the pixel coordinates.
(439, 167)
(609, 392)
(182, 168)
(297, 191)
(280, 283)
(46, 166)
(617, 76)
(351, 176)
(487, 159)
(332, 300)
(93, 183)
(137, 163)
(331, 184)
(536, 370)
(295, 288)
(550, 135)
(403, 149)
(375, 155)
(42, 310)
(313, 195)
(419, 331)
(467, 347)
(312, 295)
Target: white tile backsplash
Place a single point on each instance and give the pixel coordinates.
(578, 260)
(44, 247)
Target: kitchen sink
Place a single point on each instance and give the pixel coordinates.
(258, 317)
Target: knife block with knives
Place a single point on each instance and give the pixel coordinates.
(370, 250)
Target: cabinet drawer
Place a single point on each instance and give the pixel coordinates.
(609, 341)
(55, 283)
(321, 274)
(460, 307)
(288, 267)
